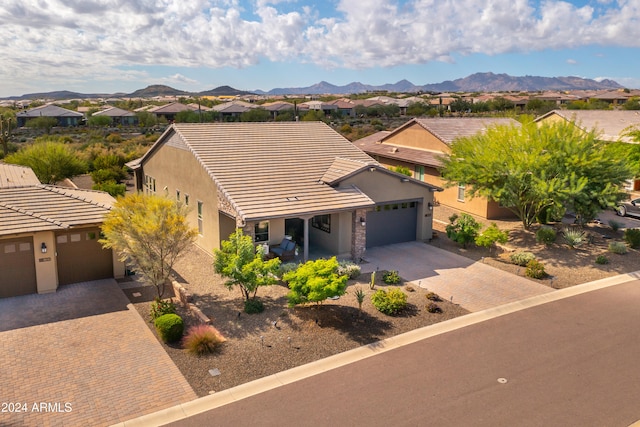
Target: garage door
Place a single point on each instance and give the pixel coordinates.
(392, 223)
(17, 267)
(81, 257)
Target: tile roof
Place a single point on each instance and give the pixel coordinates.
(373, 147)
(270, 170)
(342, 167)
(49, 111)
(46, 207)
(114, 112)
(448, 129)
(16, 176)
(611, 123)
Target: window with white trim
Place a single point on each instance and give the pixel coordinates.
(200, 224)
(261, 230)
(461, 188)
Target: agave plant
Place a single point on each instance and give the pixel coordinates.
(574, 237)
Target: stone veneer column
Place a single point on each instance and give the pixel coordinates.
(249, 230)
(358, 235)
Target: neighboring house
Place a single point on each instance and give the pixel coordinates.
(62, 115)
(420, 144)
(118, 116)
(169, 111)
(301, 179)
(49, 235)
(233, 109)
(277, 107)
(609, 124)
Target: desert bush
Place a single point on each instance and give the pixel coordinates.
(463, 229)
(202, 339)
(409, 288)
(432, 307)
(491, 235)
(389, 302)
(546, 235)
(286, 267)
(601, 259)
(521, 258)
(535, 269)
(432, 296)
(632, 237)
(170, 327)
(349, 269)
(574, 237)
(253, 306)
(615, 225)
(391, 277)
(359, 293)
(160, 307)
(618, 248)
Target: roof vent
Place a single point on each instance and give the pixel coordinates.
(292, 199)
(395, 150)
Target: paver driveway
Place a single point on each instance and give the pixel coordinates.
(473, 285)
(85, 354)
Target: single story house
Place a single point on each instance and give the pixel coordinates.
(298, 179)
(49, 235)
(420, 144)
(119, 116)
(62, 115)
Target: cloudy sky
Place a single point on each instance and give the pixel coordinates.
(106, 46)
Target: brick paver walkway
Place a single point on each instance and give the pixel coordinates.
(81, 357)
(473, 285)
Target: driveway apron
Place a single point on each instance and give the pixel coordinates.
(82, 356)
(473, 285)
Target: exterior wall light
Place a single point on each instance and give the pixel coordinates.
(43, 248)
(430, 206)
(362, 221)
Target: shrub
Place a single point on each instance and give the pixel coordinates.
(574, 237)
(359, 293)
(391, 277)
(522, 258)
(615, 225)
(202, 339)
(601, 259)
(432, 307)
(349, 269)
(286, 267)
(170, 327)
(618, 248)
(160, 307)
(432, 296)
(389, 302)
(632, 237)
(546, 235)
(463, 229)
(491, 235)
(535, 269)
(253, 306)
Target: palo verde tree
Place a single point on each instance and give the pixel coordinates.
(51, 161)
(315, 281)
(244, 265)
(151, 231)
(534, 168)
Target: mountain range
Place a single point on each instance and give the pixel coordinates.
(478, 82)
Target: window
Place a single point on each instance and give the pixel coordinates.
(322, 222)
(149, 185)
(178, 195)
(200, 228)
(186, 200)
(461, 193)
(262, 231)
(419, 173)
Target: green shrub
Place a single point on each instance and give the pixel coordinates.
(391, 277)
(349, 269)
(432, 307)
(432, 296)
(535, 269)
(574, 237)
(615, 225)
(618, 248)
(522, 258)
(286, 267)
(632, 237)
(601, 259)
(160, 307)
(546, 235)
(492, 235)
(202, 339)
(253, 306)
(170, 327)
(389, 302)
(463, 229)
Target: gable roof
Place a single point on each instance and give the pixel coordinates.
(16, 176)
(49, 111)
(372, 146)
(611, 123)
(342, 167)
(46, 207)
(270, 170)
(114, 112)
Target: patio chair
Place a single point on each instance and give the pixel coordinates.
(285, 251)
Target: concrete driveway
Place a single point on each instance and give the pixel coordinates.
(473, 285)
(82, 357)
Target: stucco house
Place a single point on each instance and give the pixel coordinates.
(300, 179)
(419, 146)
(118, 116)
(49, 235)
(611, 125)
(62, 115)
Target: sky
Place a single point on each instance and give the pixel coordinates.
(109, 46)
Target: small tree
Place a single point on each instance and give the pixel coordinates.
(315, 281)
(243, 265)
(463, 229)
(151, 231)
(99, 121)
(51, 161)
(43, 123)
(403, 170)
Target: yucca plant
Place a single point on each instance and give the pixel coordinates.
(574, 237)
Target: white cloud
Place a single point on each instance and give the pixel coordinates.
(571, 61)
(67, 40)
